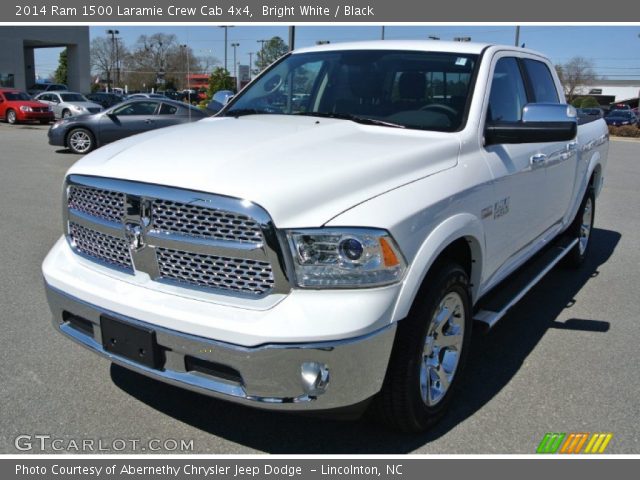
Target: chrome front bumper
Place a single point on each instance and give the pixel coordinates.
(268, 376)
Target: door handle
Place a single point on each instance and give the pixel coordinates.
(537, 160)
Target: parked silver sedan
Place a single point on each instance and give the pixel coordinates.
(68, 104)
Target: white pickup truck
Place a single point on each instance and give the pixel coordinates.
(329, 237)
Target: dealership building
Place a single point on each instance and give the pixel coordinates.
(17, 65)
(613, 91)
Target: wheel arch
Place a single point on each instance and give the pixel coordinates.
(459, 238)
(75, 127)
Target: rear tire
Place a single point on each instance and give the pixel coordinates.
(12, 117)
(429, 353)
(81, 141)
(581, 228)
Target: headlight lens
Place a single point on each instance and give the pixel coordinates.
(25, 108)
(77, 108)
(345, 257)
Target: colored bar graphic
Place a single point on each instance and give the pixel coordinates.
(573, 442)
(550, 443)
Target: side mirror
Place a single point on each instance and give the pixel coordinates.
(541, 122)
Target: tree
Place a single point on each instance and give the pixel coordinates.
(158, 60)
(589, 102)
(60, 75)
(273, 50)
(574, 75)
(101, 57)
(220, 79)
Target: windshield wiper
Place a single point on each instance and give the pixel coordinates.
(353, 118)
(241, 112)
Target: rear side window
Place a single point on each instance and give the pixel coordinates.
(167, 109)
(508, 95)
(541, 80)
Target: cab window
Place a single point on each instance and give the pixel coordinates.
(508, 95)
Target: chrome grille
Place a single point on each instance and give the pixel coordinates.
(106, 248)
(197, 221)
(236, 274)
(186, 238)
(97, 202)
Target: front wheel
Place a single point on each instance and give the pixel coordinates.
(66, 114)
(429, 353)
(581, 228)
(80, 140)
(12, 118)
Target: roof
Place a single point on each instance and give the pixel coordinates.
(421, 45)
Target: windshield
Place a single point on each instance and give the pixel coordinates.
(16, 96)
(72, 97)
(409, 89)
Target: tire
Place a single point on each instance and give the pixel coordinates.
(66, 114)
(80, 140)
(581, 228)
(12, 117)
(414, 396)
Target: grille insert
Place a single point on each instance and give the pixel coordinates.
(197, 221)
(97, 203)
(236, 274)
(106, 248)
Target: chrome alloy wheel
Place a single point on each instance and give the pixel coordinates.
(442, 349)
(585, 226)
(80, 141)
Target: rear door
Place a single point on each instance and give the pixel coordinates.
(561, 158)
(128, 119)
(517, 213)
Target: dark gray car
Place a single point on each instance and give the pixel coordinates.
(86, 132)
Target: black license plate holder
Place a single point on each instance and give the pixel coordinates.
(132, 342)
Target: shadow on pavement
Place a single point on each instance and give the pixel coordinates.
(494, 359)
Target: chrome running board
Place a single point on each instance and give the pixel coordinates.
(495, 305)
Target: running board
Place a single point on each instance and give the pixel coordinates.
(505, 295)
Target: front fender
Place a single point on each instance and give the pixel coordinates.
(462, 225)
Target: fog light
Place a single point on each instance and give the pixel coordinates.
(315, 378)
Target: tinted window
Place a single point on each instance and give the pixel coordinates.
(72, 97)
(508, 95)
(544, 88)
(167, 109)
(16, 96)
(137, 108)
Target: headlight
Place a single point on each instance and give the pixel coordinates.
(25, 108)
(77, 108)
(56, 124)
(345, 257)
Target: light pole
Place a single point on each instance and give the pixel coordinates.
(235, 67)
(185, 51)
(382, 36)
(250, 65)
(226, 28)
(517, 35)
(113, 34)
(261, 53)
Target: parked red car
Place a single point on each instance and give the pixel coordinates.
(16, 106)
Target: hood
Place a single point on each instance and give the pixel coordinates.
(28, 103)
(85, 104)
(303, 170)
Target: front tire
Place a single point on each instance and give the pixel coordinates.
(12, 117)
(66, 114)
(429, 353)
(581, 228)
(80, 140)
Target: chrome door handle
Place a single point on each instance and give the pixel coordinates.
(537, 160)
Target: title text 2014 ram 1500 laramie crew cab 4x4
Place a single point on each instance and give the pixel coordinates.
(330, 235)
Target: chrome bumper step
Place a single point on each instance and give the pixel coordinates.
(495, 305)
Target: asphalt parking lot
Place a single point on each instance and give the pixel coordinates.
(564, 360)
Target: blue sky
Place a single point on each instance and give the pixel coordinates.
(614, 50)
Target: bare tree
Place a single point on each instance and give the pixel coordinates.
(101, 56)
(575, 75)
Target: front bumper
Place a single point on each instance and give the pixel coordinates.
(33, 116)
(268, 376)
(57, 136)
